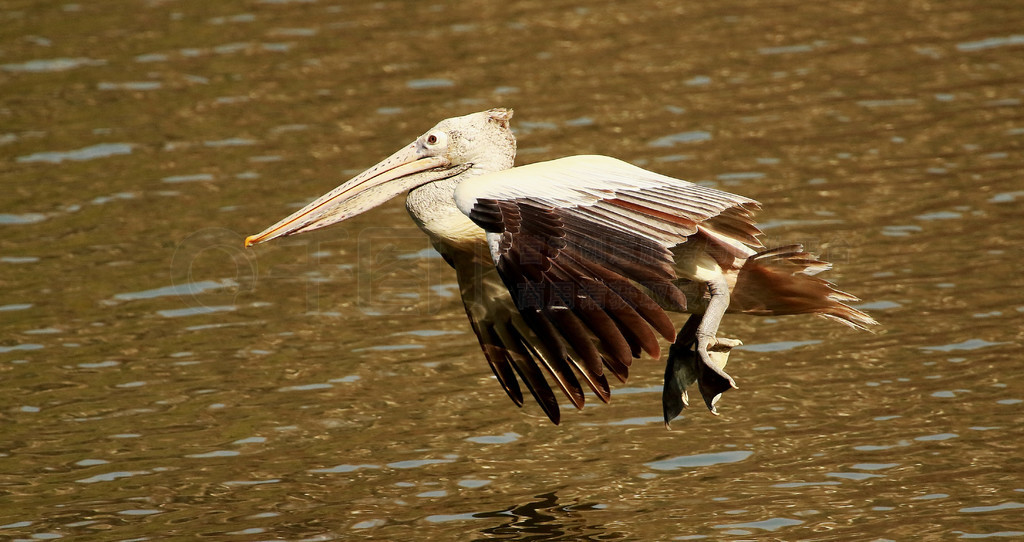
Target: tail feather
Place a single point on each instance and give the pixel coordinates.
(781, 281)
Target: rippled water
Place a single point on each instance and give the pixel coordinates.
(157, 380)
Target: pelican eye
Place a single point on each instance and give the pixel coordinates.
(435, 139)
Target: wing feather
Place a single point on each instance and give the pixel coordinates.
(583, 247)
(512, 345)
(525, 361)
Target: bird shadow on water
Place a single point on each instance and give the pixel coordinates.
(544, 518)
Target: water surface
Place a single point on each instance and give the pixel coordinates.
(159, 381)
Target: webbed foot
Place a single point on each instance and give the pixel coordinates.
(712, 380)
(683, 369)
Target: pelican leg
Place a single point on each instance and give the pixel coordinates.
(681, 370)
(711, 376)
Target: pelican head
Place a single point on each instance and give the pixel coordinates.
(477, 143)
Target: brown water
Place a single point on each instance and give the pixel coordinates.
(157, 381)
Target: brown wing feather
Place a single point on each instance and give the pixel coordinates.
(590, 282)
(513, 347)
(579, 276)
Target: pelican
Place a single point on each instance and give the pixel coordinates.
(567, 267)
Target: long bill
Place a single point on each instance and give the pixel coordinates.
(398, 173)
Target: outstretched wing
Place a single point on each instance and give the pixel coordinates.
(582, 246)
(623, 197)
(511, 346)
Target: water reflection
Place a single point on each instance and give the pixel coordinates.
(700, 460)
(543, 518)
(157, 374)
(92, 152)
(52, 64)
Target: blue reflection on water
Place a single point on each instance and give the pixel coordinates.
(418, 84)
(495, 439)
(970, 344)
(776, 346)
(52, 64)
(85, 153)
(414, 463)
(682, 137)
(771, 524)
(23, 218)
(189, 288)
(1016, 39)
(700, 460)
(344, 468)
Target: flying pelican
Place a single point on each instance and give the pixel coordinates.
(567, 267)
